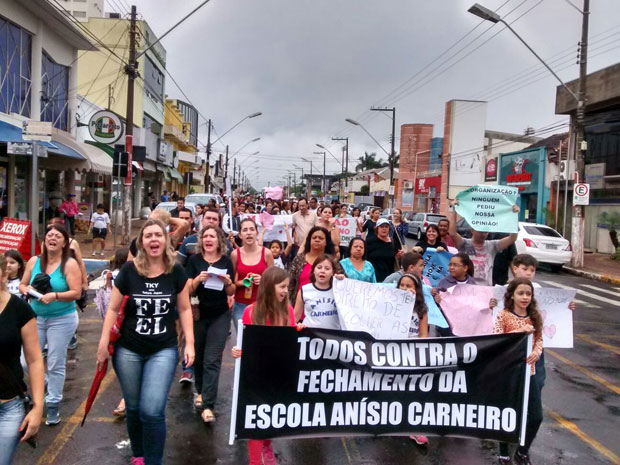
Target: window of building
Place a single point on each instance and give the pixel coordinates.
(54, 93)
(154, 80)
(15, 80)
(79, 14)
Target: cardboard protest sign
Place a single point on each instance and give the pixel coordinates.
(557, 317)
(436, 265)
(276, 224)
(347, 227)
(435, 317)
(381, 311)
(488, 208)
(466, 308)
(319, 382)
(16, 234)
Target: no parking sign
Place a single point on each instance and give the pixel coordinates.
(581, 194)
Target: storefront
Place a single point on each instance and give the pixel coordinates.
(525, 170)
(427, 192)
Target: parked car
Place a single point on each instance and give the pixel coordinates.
(420, 221)
(169, 206)
(463, 228)
(387, 213)
(348, 206)
(545, 244)
(365, 214)
(204, 199)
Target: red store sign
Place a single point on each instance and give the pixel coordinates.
(15, 234)
(424, 185)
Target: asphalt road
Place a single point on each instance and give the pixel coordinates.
(581, 409)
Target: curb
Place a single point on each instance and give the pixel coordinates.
(595, 276)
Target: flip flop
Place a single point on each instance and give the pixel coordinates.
(207, 416)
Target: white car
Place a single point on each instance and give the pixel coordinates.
(545, 244)
(169, 206)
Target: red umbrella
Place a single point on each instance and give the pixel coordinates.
(115, 334)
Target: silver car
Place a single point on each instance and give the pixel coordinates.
(420, 221)
(169, 206)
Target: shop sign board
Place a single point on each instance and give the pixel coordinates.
(490, 170)
(105, 127)
(16, 234)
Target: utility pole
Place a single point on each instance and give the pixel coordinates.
(131, 69)
(234, 176)
(346, 162)
(392, 154)
(578, 229)
(208, 172)
(226, 167)
(323, 185)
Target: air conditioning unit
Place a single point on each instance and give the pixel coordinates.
(567, 171)
(407, 185)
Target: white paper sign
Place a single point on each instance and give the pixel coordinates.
(557, 317)
(213, 282)
(382, 311)
(347, 227)
(277, 232)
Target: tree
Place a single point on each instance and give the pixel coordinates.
(369, 162)
(365, 190)
(612, 221)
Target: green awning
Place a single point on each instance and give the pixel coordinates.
(105, 147)
(167, 177)
(175, 174)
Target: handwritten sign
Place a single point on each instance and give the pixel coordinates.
(436, 265)
(466, 308)
(488, 208)
(277, 227)
(274, 193)
(557, 317)
(347, 227)
(435, 317)
(381, 311)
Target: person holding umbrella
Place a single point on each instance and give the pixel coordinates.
(145, 356)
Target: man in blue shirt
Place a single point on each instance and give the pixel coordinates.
(165, 197)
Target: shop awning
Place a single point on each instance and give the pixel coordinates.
(64, 150)
(97, 160)
(174, 173)
(148, 165)
(137, 165)
(11, 133)
(167, 177)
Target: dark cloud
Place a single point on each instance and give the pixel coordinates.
(309, 64)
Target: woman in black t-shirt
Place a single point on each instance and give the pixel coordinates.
(382, 250)
(210, 275)
(18, 329)
(146, 355)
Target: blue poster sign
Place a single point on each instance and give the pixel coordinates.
(436, 265)
(435, 317)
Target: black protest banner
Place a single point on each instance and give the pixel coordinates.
(326, 383)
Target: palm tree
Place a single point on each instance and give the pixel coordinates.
(369, 162)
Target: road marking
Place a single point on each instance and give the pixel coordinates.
(589, 340)
(585, 371)
(600, 289)
(590, 322)
(587, 304)
(584, 293)
(70, 426)
(573, 428)
(346, 450)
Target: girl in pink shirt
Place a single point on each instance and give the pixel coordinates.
(272, 308)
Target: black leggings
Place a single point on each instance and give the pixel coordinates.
(534, 419)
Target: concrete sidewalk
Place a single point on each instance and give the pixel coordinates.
(86, 241)
(599, 267)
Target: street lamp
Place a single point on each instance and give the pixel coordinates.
(253, 115)
(577, 234)
(250, 155)
(245, 145)
(328, 151)
(324, 185)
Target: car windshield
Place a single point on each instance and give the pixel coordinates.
(535, 230)
(434, 218)
(201, 198)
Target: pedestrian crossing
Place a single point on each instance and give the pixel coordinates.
(583, 293)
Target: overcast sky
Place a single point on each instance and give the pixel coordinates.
(309, 64)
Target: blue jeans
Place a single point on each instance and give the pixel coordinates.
(11, 416)
(237, 313)
(210, 335)
(145, 381)
(56, 332)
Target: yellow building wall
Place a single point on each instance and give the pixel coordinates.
(97, 71)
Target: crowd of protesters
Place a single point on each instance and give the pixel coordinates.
(186, 276)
